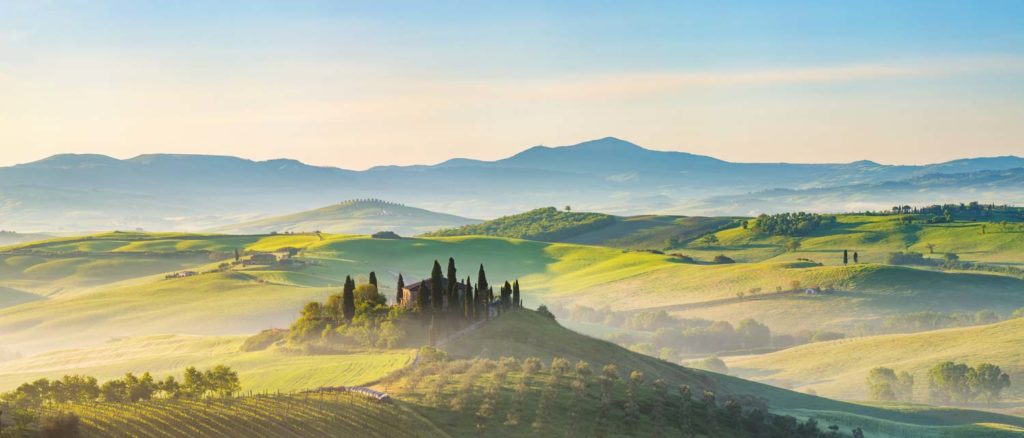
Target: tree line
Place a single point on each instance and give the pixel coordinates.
(545, 224)
(948, 382)
(220, 381)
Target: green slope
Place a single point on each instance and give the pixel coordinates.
(354, 217)
(268, 370)
(527, 334)
(839, 368)
(630, 232)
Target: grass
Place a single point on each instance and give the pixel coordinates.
(873, 237)
(268, 370)
(839, 368)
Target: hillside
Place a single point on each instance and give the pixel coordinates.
(838, 369)
(222, 303)
(528, 334)
(629, 232)
(75, 193)
(352, 217)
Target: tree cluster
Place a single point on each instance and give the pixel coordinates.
(545, 224)
(219, 380)
(960, 383)
(884, 384)
(791, 224)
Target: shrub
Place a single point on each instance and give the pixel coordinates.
(723, 259)
(264, 339)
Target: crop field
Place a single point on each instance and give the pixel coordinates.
(272, 415)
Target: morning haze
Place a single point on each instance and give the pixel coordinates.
(511, 219)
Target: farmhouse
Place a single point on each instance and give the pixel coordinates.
(411, 292)
(262, 258)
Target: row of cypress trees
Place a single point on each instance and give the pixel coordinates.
(445, 295)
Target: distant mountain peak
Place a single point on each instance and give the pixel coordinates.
(73, 160)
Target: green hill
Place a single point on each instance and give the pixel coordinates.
(630, 232)
(527, 334)
(353, 217)
(839, 368)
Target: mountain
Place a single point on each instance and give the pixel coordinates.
(353, 217)
(194, 192)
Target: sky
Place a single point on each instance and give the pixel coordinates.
(364, 83)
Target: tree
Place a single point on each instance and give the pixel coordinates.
(373, 279)
(846, 257)
(709, 239)
(452, 291)
(753, 334)
(988, 381)
(949, 381)
(194, 384)
(568, 207)
(237, 256)
(855, 257)
(881, 384)
(792, 245)
(437, 287)
(400, 290)
(481, 279)
(222, 380)
(348, 299)
(516, 303)
(931, 248)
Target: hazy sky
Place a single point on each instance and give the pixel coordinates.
(357, 84)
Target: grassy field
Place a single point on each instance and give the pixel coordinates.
(839, 368)
(874, 237)
(268, 370)
(246, 300)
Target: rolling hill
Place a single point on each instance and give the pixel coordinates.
(142, 302)
(838, 369)
(195, 192)
(352, 217)
(631, 232)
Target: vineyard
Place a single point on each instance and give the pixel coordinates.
(264, 415)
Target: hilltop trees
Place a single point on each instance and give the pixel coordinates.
(959, 383)
(791, 224)
(361, 316)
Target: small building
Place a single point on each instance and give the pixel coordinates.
(813, 291)
(263, 258)
(411, 292)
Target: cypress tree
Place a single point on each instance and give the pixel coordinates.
(855, 257)
(516, 303)
(437, 287)
(400, 287)
(424, 298)
(481, 279)
(452, 291)
(348, 299)
(477, 303)
(467, 300)
(506, 295)
(373, 279)
(846, 256)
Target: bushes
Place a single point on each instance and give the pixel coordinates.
(61, 425)
(723, 259)
(908, 258)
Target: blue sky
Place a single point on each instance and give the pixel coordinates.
(356, 84)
